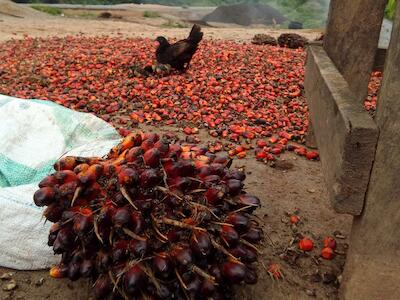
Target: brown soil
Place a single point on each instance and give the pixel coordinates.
(295, 184)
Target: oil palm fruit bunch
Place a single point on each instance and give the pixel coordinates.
(154, 219)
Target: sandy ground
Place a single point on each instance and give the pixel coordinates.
(295, 184)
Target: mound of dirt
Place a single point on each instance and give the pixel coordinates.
(292, 40)
(12, 9)
(245, 14)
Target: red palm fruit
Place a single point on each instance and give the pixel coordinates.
(253, 235)
(261, 155)
(122, 217)
(65, 176)
(59, 271)
(208, 288)
(55, 228)
(66, 163)
(261, 143)
(162, 265)
(48, 181)
(102, 287)
(53, 213)
(249, 200)
(66, 192)
(330, 242)
(147, 145)
(238, 220)
(82, 224)
(234, 272)
(180, 183)
(217, 169)
(327, 253)
(214, 196)
(81, 168)
(229, 235)
(175, 150)
(133, 154)
(44, 196)
(204, 171)
(154, 137)
(74, 271)
(181, 255)
(234, 186)
(91, 174)
(87, 268)
(172, 168)
(119, 251)
(200, 149)
(152, 157)
(200, 243)
(138, 140)
(103, 261)
(133, 279)
(221, 159)
(128, 176)
(235, 174)
(162, 147)
(306, 244)
(138, 223)
(187, 168)
(138, 247)
(251, 276)
(211, 180)
(149, 178)
(312, 155)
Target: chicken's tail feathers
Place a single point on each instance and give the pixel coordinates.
(195, 34)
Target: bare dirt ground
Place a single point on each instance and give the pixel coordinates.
(294, 184)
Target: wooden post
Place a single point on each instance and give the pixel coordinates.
(372, 269)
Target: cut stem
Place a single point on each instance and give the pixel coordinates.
(124, 193)
(96, 230)
(133, 235)
(76, 195)
(203, 273)
(180, 224)
(168, 192)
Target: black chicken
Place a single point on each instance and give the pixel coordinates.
(179, 55)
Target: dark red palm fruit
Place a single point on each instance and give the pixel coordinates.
(137, 140)
(74, 271)
(138, 247)
(214, 196)
(217, 169)
(149, 178)
(152, 158)
(53, 213)
(253, 235)
(128, 176)
(44, 196)
(121, 217)
(83, 223)
(215, 271)
(103, 261)
(102, 287)
(162, 147)
(180, 183)
(251, 276)
(204, 171)
(194, 285)
(240, 221)
(234, 272)
(175, 150)
(249, 200)
(174, 235)
(87, 268)
(147, 145)
(150, 136)
(229, 235)
(66, 192)
(200, 243)
(163, 292)
(208, 288)
(134, 278)
(211, 180)
(91, 174)
(162, 265)
(144, 205)
(245, 253)
(138, 223)
(54, 229)
(66, 163)
(290, 147)
(119, 251)
(236, 174)
(181, 255)
(172, 168)
(234, 186)
(238, 251)
(221, 159)
(65, 176)
(133, 154)
(81, 168)
(187, 168)
(68, 214)
(48, 181)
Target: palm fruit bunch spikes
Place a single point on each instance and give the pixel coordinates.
(154, 219)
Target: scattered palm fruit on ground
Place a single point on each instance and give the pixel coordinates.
(306, 244)
(154, 219)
